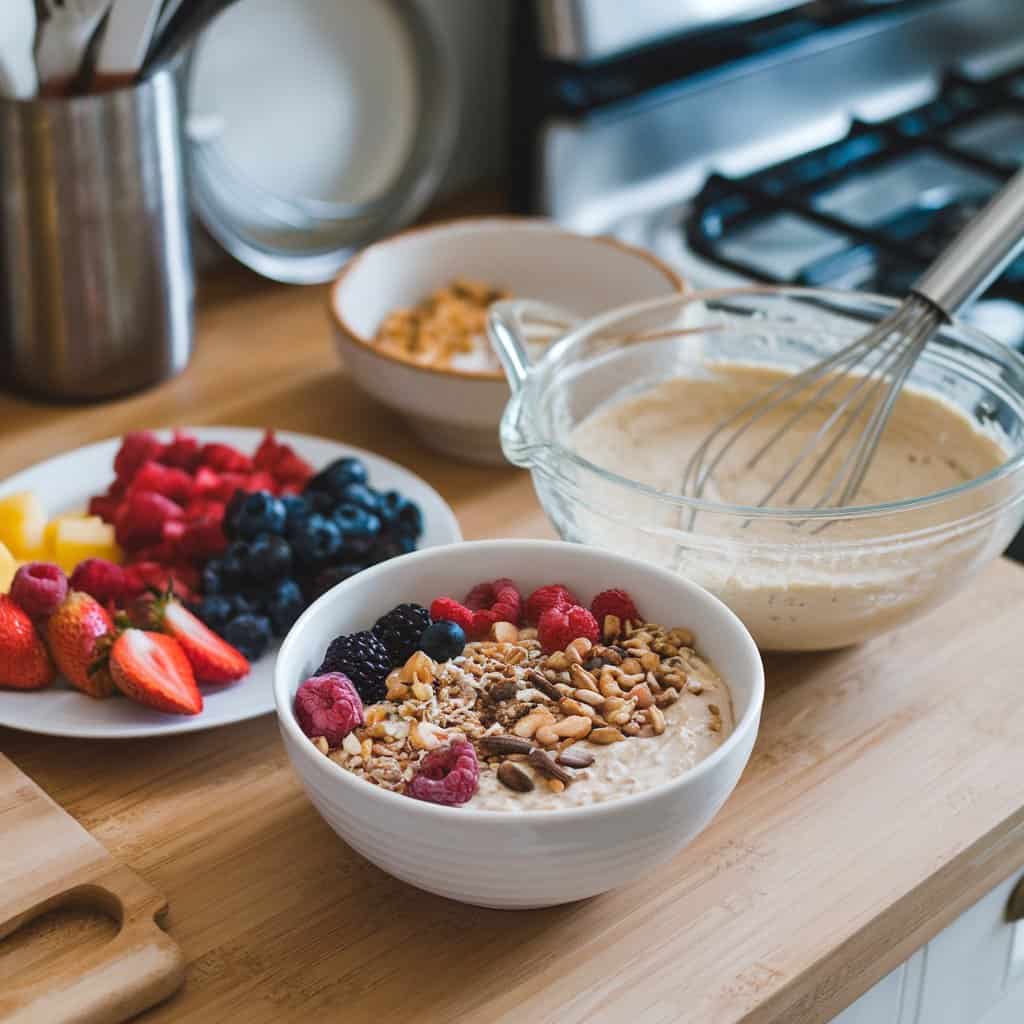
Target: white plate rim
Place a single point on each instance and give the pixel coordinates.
(442, 527)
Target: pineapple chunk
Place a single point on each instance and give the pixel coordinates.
(22, 520)
(50, 533)
(8, 567)
(77, 539)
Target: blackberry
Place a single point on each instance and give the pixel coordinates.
(400, 631)
(364, 659)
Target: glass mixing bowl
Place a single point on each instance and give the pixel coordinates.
(800, 578)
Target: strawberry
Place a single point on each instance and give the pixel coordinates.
(74, 632)
(151, 668)
(24, 663)
(213, 660)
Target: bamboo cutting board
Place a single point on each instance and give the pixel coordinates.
(47, 860)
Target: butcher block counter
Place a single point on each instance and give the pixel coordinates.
(884, 797)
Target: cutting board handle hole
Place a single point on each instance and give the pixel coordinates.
(57, 932)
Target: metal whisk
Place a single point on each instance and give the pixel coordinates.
(866, 376)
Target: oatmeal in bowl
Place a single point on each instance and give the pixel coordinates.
(610, 712)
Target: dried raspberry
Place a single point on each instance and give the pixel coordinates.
(543, 598)
(101, 579)
(447, 609)
(449, 775)
(559, 626)
(328, 706)
(614, 602)
(136, 448)
(38, 588)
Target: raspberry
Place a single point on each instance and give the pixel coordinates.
(222, 458)
(136, 448)
(481, 596)
(449, 775)
(101, 579)
(614, 602)
(447, 609)
(328, 706)
(559, 626)
(500, 597)
(38, 588)
(141, 518)
(482, 622)
(543, 598)
(182, 452)
(172, 483)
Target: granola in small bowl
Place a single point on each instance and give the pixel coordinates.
(511, 705)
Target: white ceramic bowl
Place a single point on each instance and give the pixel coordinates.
(458, 411)
(535, 858)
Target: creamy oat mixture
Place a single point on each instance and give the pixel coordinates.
(826, 598)
(581, 726)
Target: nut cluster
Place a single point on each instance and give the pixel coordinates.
(451, 320)
(525, 711)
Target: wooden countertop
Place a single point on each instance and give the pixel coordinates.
(884, 796)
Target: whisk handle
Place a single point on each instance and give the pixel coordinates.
(981, 251)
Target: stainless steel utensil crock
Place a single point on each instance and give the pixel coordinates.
(96, 279)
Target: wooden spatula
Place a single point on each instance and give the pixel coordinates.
(48, 860)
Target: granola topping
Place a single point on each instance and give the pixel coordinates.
(586, 724)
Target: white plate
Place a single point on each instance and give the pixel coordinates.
(67, 482)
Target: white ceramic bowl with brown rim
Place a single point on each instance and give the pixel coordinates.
(453, 410)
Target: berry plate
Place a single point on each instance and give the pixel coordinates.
(65, 484)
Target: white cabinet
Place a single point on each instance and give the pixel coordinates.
(970, 973)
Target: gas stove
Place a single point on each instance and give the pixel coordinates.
(836, 144)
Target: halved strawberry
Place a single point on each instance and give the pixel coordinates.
(213, 660)
(151, 668)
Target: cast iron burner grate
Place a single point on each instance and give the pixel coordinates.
(872, 210)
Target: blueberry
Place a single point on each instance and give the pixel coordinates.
(327, 578)
(249, 633)
(249, 603)
(390, 546)
(269, 559)
(260, 513)
(231, 512)
(361, 495)
(320, 502)
(354, 521)
(296, 511)
(317, 540)
(401, 514)
(212, 580)
(443, 640)
(333, 478)
(285, 604)
(232, 563)
(215, 611)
